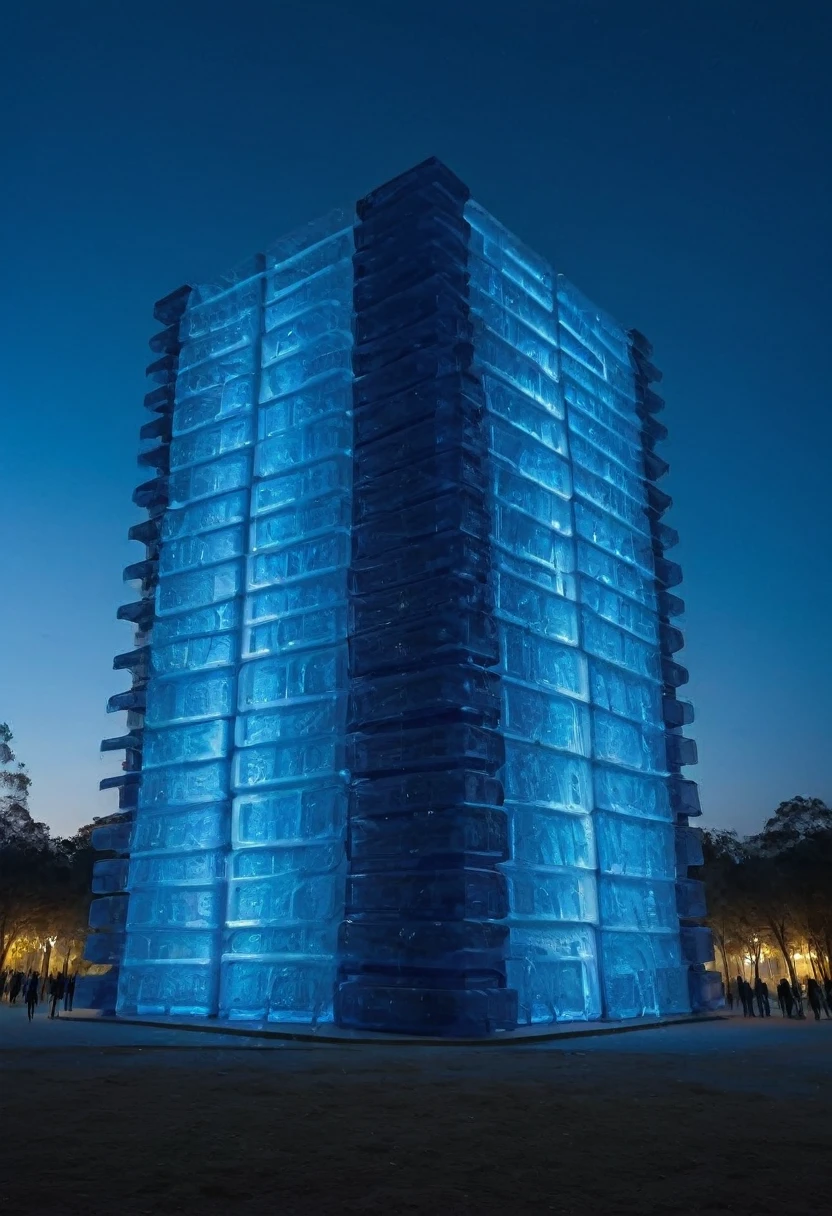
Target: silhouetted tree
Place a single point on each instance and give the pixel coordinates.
(44, 883)
(774, 885)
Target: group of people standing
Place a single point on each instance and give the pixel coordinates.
(790, 997)
(34, 988)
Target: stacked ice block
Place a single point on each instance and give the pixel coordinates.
(544, 716)
(413, 751)
(287, 860)
(423, 944)
(178, 854)
(639, 925)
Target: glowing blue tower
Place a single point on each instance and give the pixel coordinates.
(404, 747)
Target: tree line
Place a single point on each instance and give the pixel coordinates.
(770, 894)
(44, 880)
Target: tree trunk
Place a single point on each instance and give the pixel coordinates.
(7, 940)
(818, 961)
(813, 960)
(754, 949)
(720, 941)
(780, 937)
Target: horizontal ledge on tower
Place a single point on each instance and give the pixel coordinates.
(163, 370)
(134, 698)
(654, 466)
(667, 537)
(142, 571)
(121, 743)
(160, 400)
(104, 948)
(156, 458)
(152, 493)
(668, 574)
(146, 532)
(140, 612)
(690, 899)
(657, 500)
(681, 751)
(170, 308)
(158, 428)
(121, 780)
(684, 798)
(676, 712)
(650, 403)
(131, 659)
(654, 431)
(697, 944)
(112, 833)
(640, 342)
(108, 912)
(674, 675)
(166, 342)
(671, 638)
(670, 605)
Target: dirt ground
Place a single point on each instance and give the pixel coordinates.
(723, 1117)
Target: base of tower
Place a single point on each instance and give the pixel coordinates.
(328, 1033)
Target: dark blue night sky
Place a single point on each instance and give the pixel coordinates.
(670, 158)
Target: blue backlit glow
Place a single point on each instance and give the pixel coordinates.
(404, 747)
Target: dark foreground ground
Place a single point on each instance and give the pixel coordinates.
(721, 1117)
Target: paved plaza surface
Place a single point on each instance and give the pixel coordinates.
(727, 1116)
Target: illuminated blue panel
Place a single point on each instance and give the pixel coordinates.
(545, 715)
(404, 740)
(287, 864)
(177, 874)
(638, 941)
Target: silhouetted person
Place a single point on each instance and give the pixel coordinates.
(827, 991)
(749, 998)
(761, 991)
(729, 995)
(798, 1000)
(69, 993)
(823, 998)
(813, 997)
(56, 991)
(2, 983)
(785, 998)
(32, 994)
(741, 995)
(15, 986)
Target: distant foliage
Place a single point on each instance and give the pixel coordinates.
(44, 882)
(773, 890)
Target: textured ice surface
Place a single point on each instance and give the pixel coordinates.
(619, 631)
(550, 877)
(288, 863)
(178, 863)
(405, 753)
